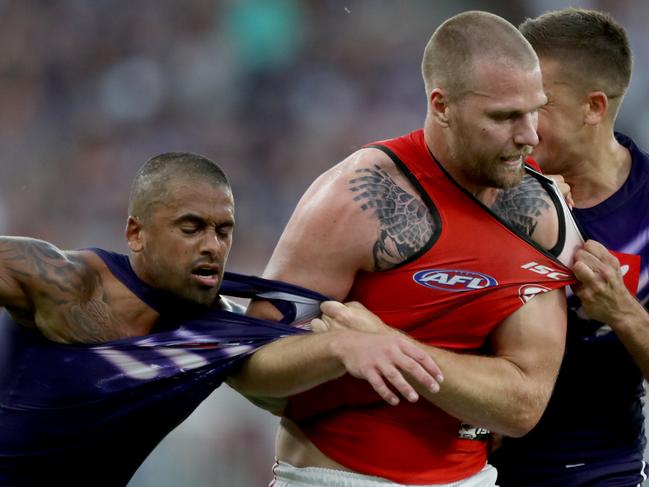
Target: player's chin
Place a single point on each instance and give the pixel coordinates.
(511, 177)
(203, 296)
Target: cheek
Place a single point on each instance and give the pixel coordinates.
(555, 123)
(176, 251)
(545, 127)
(228, 248)
(493, 141)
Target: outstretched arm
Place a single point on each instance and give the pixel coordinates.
(295, 364)
(507, 392)
(605, 298)
(56, 291)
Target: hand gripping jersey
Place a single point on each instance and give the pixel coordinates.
(473, 273)
(592, 432)
(89, 415)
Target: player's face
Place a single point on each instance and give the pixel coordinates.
(560, 120)
(187, 239)
(493, 126)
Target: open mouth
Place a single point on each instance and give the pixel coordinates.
(206, 275)
(512, 161)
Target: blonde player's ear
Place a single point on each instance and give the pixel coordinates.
(438, 105)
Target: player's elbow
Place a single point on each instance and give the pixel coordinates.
(522, 423)
(253, 378)
(244, 380)
(527, 414)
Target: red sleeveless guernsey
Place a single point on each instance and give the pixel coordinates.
(474, 273)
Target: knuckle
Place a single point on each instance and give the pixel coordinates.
(411, 366)
(392, 374)
(380, 387)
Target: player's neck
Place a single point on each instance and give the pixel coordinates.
(603, 168)
(439, 148)
(134, 316)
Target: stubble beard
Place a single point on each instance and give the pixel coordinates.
(183, 289)
(486, 171)
(203, 297)
(505, 177)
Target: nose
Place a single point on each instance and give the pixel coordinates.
(526, 131)
(213, 245)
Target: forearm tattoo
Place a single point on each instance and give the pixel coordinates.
(68, 298)
(522, 205)
(405, 223)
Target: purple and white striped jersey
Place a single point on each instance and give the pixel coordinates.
(89, 415)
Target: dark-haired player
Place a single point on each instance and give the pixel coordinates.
(593, 430)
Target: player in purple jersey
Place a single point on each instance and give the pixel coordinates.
(163, 336)
(592, 433)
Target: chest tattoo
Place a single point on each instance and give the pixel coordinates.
(523, 205)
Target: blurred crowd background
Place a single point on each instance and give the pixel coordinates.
(276, 91)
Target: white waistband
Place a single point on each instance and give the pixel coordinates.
(287, 475)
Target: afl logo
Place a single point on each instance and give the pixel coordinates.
(529, 291)
(454, 280)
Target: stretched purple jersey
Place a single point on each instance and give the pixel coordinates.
(592, 432)
(89, 415)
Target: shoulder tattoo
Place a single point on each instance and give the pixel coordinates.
(71, 300)
(39, 261)
(405, 223)
(523, 205)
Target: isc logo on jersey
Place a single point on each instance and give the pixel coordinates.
(545, 271)
(453, 280)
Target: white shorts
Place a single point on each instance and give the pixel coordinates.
(286, 475)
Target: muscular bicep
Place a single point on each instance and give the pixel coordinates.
(332, 232)
(533, 338)
(363, 214)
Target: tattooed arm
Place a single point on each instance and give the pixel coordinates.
(56, 291)
(362, 214)
(405, 223)
(330, 237)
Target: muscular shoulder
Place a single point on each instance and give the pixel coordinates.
(364, 167)
(62, 293)
(59, 277)
(389, 199)
(529, 208)
(362, 214)
(32, 269)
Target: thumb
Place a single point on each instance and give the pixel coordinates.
(332, 308)
(318, 326)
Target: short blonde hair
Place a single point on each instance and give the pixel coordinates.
(462, 40)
